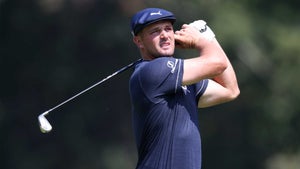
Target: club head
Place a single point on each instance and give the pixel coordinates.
(45, 126)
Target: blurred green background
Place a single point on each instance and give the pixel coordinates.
(52, 49)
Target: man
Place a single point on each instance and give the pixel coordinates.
(166, 92)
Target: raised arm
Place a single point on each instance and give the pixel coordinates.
(221, 88)
(211, 60)
(212, 63)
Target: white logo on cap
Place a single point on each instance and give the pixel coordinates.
(156, 13)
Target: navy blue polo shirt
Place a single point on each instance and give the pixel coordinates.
(165, 115)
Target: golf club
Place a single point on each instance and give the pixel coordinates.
(46, 127)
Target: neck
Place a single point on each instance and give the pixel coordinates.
(152, 57)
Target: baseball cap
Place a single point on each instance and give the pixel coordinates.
(148, 16)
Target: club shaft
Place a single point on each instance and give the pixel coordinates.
(96, 84)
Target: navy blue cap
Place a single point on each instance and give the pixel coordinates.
(148, 16)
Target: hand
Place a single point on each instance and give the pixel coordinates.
(187, 37)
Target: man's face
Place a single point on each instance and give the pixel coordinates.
(157, 40)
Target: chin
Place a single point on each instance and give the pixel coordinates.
(167, 53)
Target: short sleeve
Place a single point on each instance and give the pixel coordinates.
(161, 76)
(200, 88)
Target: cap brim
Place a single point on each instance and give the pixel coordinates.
(141, 27)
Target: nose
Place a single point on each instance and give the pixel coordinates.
(163, 34)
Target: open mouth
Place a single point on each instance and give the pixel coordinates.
(165, 44)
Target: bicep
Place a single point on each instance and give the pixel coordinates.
(214, 94)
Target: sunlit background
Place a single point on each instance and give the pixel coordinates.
(52, 49)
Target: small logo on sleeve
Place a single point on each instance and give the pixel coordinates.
(172, 65)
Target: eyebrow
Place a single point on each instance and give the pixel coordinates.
(160, 27)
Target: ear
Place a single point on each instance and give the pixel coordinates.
(138, 41)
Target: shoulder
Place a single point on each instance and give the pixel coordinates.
(157, 70)
(161, 65)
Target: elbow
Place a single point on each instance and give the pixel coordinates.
(230, 96)
(235, 93)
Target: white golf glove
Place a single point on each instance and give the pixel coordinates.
(204, 29)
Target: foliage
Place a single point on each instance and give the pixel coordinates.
(50, 50)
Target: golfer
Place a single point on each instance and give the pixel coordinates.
(166, 92)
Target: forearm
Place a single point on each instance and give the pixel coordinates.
(228, 79)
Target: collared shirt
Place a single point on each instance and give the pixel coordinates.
(165, 115)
